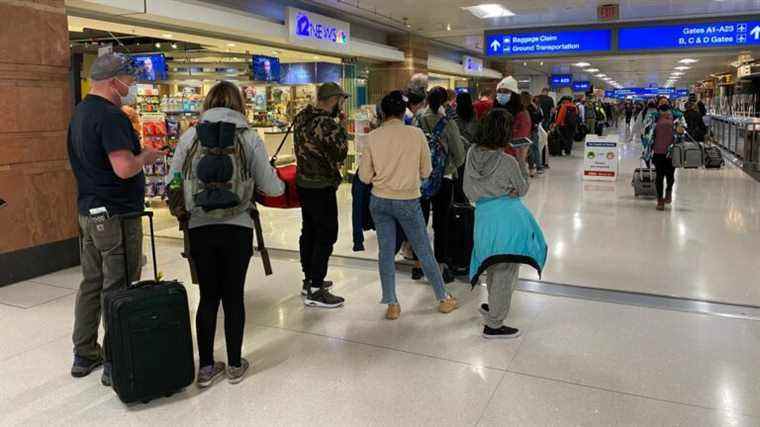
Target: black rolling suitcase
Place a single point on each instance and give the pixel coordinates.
(555, 143)
(713, 157)
(149, 339)
(460, 241)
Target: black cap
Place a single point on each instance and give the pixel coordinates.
(330, 89)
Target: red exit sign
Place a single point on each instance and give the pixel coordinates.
(608, 12)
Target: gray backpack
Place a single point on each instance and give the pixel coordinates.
(218, 182)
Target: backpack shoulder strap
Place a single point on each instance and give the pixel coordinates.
(188, 164)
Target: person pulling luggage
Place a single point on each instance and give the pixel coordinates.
(664, 135)
(107, 161)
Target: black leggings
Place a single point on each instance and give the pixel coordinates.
(222, 254)
(665, 170)
(440, 205)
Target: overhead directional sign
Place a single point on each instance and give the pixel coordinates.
(548, 43)
(690, 36)
(560, 80)
(647, 92)
(580, 86)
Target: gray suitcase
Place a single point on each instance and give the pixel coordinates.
(687, 154)
(644, 183)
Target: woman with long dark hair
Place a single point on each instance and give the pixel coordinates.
(468, 124)
(451, 139)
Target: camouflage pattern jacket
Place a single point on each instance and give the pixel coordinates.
(321, 147)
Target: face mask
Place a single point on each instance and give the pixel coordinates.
(503, 98)
(335, 111)
(131, 97)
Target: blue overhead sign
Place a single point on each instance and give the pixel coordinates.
(548, 43)
(560, 80)
(646, 92)
(581, 86)
(690, 36)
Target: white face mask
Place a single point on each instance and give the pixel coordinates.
(131, 97)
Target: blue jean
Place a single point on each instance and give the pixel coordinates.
(408, 214)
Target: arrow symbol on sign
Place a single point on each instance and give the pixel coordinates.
(495, 45)
(756, 32)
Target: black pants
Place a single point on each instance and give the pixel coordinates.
(319, 231)
(440, 204)
(568, 135)
(665, 169)
(222, 254)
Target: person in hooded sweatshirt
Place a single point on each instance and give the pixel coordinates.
(506, 234)
(222, 244)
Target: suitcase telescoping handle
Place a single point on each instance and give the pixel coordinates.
(138, 215)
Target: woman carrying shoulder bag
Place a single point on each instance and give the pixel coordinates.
(222, 163)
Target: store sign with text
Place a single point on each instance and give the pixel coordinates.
(472, 65)
(601, 158)
(690, 36)
(317, 30)
(548, 43)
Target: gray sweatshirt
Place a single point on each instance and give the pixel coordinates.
(493, 173)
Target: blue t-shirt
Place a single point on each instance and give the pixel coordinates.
(98, 128)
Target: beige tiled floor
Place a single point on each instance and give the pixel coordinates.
(578, 363)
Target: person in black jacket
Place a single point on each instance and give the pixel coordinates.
(695, 123)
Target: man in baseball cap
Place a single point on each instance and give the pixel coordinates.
(107, 161)
(321, 146)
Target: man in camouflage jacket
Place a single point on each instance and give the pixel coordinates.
(321, 146)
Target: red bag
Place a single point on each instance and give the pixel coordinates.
(289, 199)
(287, 174)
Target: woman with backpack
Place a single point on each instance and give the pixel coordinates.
(395, 161)
(506, 234)
(439, 200)
(665, 129)
(222, 163)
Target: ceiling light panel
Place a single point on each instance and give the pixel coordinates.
(582, 64)
(489, 11)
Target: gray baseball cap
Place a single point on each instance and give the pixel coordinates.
(111, 65)
(330, 89)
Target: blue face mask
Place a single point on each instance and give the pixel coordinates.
(503, 98)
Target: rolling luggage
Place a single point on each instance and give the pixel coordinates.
(687, 154)
(150, 344)
(461, 230)
(555, 143)
(644, 183)
(713, 157)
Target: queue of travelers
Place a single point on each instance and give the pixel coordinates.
(430, 145)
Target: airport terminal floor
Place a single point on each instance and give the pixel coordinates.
(579, 361)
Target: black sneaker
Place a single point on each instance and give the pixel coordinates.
(417, 274)
(83, 366)
(505, 332)
(323, 299)
(305, 290)
(448, 276)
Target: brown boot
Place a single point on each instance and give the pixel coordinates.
(394, 312)
(660, 204)
(668, 197)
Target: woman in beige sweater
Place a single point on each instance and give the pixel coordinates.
(394, 161)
